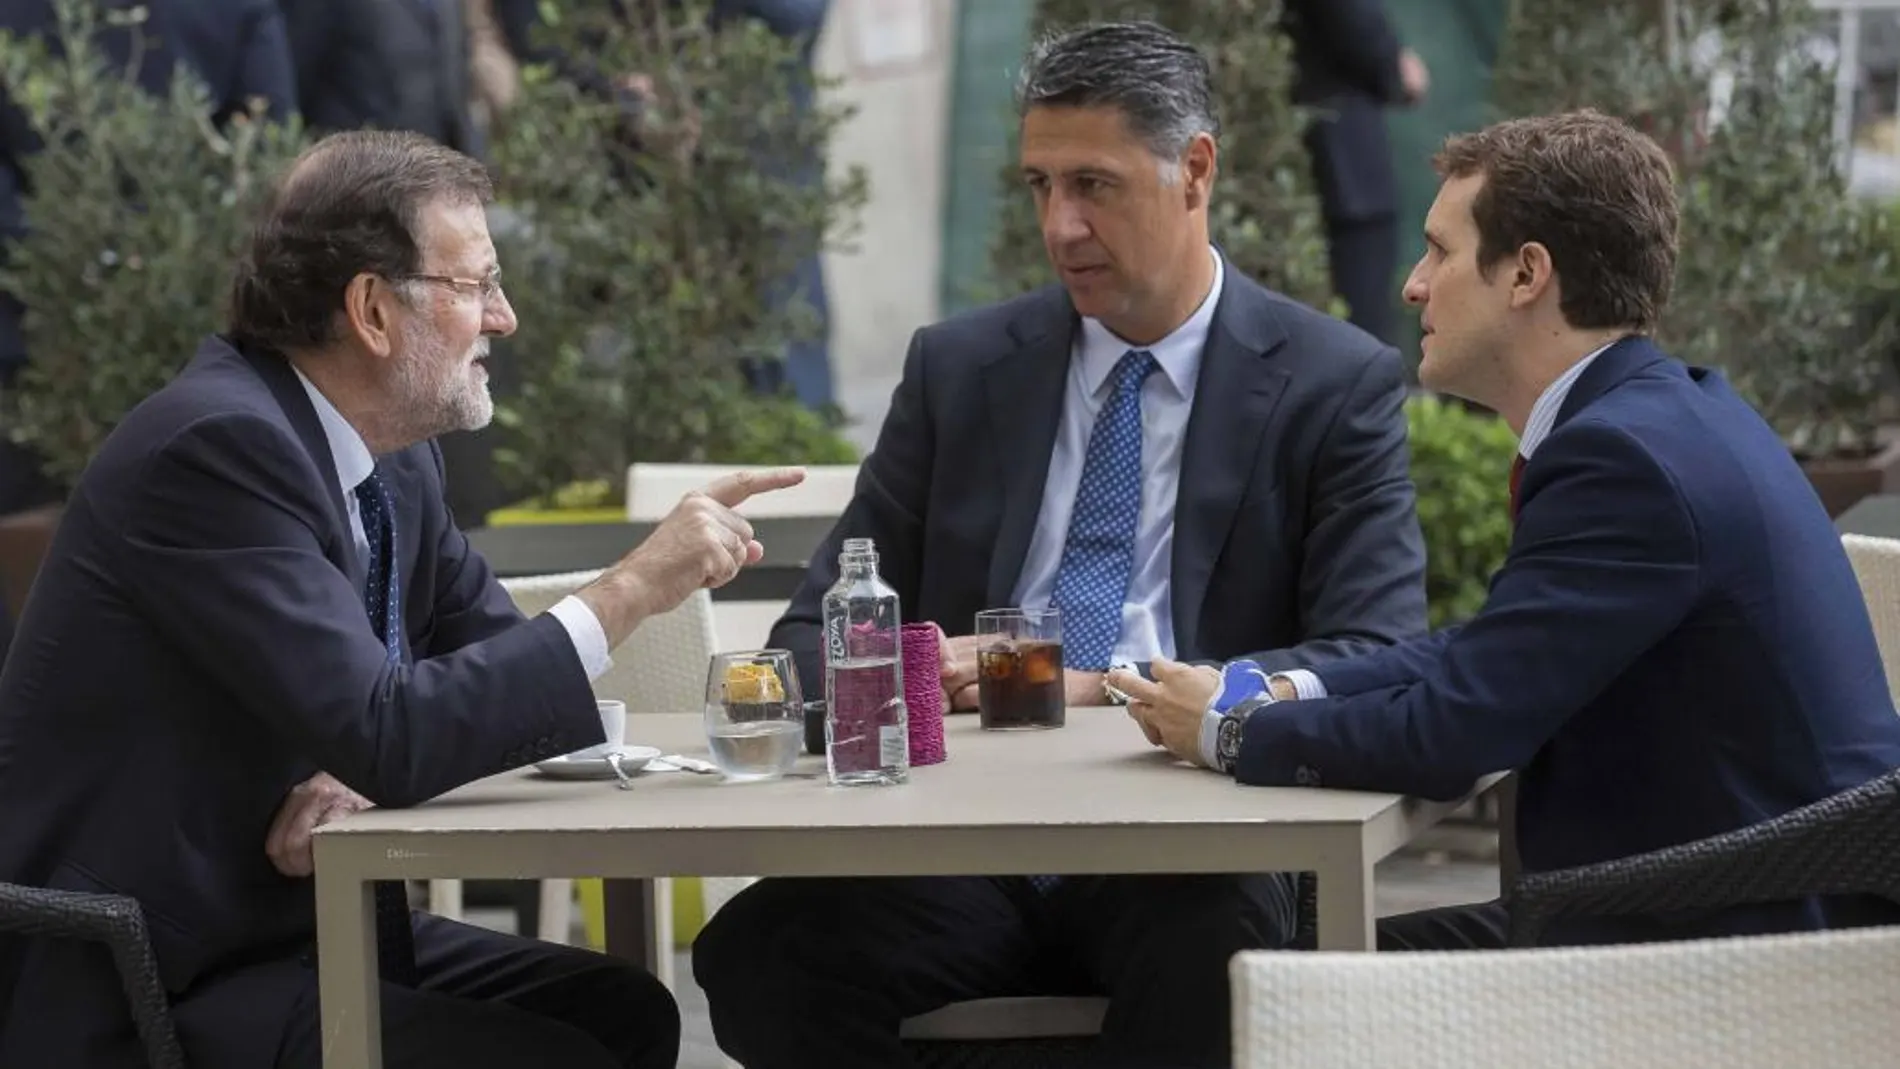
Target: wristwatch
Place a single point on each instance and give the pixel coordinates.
(1233, 723)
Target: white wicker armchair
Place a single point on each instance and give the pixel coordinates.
(661, 668)
(1877, 565)
(1767, 1002)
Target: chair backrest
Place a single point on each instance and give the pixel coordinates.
(653, 490)
(661, 668)
(1749, 1003)
(1877, 565)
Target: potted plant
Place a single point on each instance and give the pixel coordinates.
(134, 211)
(1265, 213)
(1461, 464)
(649, 266)
(1786, 281)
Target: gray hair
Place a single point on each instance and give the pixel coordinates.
(1157, 80)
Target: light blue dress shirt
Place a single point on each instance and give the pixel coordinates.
(1166, 401)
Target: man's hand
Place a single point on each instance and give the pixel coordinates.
(1414, 76)
(1171, 707)
(960, 676)
(703, 542)
(309, 805)
(960, 669)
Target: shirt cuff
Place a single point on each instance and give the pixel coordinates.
(1210, 739)
(590, 639)
(1305, 684)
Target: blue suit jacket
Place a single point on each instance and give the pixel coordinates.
(1295, 529)
(195, 645)
(1675, 646)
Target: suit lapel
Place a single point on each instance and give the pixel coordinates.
(1234, 399)
(1024, 389)
(282, 381)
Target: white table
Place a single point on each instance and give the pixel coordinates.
(1092, 797)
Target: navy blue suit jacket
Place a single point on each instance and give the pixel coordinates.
(197, 644)
(1295, 527)
(1676, 646)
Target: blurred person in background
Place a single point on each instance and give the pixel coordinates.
(1351, 68)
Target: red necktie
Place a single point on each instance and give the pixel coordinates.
(1517, 474)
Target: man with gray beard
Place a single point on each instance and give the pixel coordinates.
(258, 615)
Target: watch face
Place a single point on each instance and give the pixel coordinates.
(1228, 741)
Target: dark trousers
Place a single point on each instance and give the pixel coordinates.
(805, 972)
(1481, 926)
(492, 999)
(1364, 257)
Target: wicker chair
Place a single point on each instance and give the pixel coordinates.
(119, 923)
(1038, 1033)
(1848, 844)
(661, 668)
(1876, 564)
(1766, 1002)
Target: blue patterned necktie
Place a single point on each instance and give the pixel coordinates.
(382, 598)
(1099, 553)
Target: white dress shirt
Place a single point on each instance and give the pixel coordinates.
(1542, 419)
(1166, 401)
(354, 464)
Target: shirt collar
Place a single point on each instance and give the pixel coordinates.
(1543, 417)
(1178, 354)
(347, 448)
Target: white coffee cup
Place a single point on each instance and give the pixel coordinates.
(613, 720)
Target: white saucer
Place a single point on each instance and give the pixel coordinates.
(572, 766)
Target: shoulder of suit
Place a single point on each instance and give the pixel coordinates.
(1310, 333)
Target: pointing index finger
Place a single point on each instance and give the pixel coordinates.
(731, 490)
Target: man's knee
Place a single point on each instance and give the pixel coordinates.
(639, 1021)
(732, 949)
(1223, 915)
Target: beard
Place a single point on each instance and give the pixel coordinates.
(440, 390)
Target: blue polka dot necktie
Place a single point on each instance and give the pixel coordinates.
(1099, 553)
(382, 597)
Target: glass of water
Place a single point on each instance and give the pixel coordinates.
(755, 715)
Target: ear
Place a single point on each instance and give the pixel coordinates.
(1198, 166)
(1532, 274)
(369, 305)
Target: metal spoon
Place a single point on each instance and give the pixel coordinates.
(613, 762)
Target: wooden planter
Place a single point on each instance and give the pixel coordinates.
(24, 538)
(1843, 481)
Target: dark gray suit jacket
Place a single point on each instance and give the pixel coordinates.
(196, 645)
(391, 64)
(1296, 539)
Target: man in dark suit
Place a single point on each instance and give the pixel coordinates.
(258, 614)
(1182, 463)
(236, 47)
(1676, 645)
(390, 64)
(1351, 67)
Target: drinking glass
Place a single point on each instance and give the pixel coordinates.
(755, 715)
(1019, 669)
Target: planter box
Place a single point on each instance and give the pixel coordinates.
(1843, 482)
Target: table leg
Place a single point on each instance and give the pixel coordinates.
(630, 909)
(347, 984)
(1346, 920)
